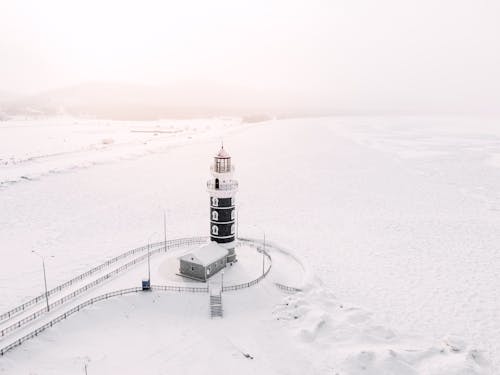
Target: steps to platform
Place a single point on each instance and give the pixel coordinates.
(215, 299)
(216, 306)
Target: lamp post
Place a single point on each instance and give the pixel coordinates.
(149, 256)
(44, 278)
(264, 249)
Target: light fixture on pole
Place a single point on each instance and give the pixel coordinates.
(44, 278)
(222, 281)
(149, 256)
(264, 249)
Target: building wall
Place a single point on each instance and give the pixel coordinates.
(199, 271)
(217, 266)
(231, 253)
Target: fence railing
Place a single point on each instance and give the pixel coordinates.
(65, 315)
(173, 243)
(78, 278)
(253, 282)
(288, 288)
(222, 186)
(61, 301)
(174, 288)
(94, 300)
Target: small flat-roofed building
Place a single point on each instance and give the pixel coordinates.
(203, 262)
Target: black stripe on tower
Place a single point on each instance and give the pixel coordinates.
(222, 215)
(222, 240)
(222, 226)
(220, 202)
(222, 230)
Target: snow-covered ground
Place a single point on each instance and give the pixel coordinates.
(397, 215)
(31, 149)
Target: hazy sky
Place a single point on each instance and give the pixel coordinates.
(427, 54)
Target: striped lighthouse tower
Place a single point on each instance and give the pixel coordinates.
(222, 189)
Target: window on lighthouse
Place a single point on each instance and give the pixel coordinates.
(215, 201)
(232, 214)
(232, 228)
(215, 215)
(215, 230)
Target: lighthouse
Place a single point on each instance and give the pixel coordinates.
(222, 189)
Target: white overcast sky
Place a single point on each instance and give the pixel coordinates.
(384, 54)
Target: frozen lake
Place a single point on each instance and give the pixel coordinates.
(399, 215)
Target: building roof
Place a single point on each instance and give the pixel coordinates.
(206, 254)
(222, 153)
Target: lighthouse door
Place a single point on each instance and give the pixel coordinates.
(216, 183)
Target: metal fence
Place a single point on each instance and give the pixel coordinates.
(174, 288)
(78, 278)
(65, 315)
(61, 301)
(94, 300)
(222, 185)
(253, 282)
(288, 288)
(172, 243)
(254, 242)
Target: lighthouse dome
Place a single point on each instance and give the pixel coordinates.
(223, 154)
(222, 162)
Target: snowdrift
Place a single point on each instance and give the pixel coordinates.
(349, 340)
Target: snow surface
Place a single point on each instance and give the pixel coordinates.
(399, 215)
(31, 149)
